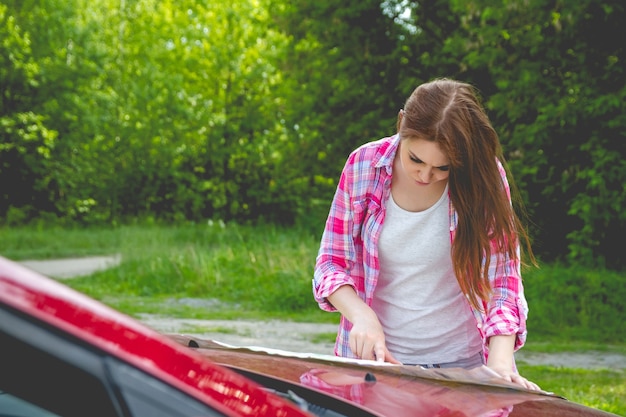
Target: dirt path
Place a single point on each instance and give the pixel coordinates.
(290, 336)
(71, 267)
(317, 338)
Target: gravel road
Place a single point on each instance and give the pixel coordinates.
(316, 338)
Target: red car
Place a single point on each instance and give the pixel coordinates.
(64, 354)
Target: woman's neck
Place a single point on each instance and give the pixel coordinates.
(411, 196)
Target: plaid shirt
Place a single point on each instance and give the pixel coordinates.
(348, 253)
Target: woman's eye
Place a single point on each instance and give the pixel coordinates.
(444, 168)
(416, 160)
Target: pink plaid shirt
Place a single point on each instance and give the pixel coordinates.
(348, 253)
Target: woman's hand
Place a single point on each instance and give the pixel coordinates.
(501, 361)
(511, 376)
(367, 339)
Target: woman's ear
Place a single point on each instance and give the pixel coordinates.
(400, 116)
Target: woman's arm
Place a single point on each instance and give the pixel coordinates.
(501, 360)
(336, 254)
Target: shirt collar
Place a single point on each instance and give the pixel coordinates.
(387, 153)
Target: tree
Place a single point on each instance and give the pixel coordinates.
(26, 141)
(556, 94)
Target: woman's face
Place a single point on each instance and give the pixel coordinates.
(423, 161)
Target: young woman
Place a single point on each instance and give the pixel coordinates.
(421, 249)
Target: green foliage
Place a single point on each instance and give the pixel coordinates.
(246, 110)
(26, 142)
(557, 97)
(347, 93)
(163, 108)
(576, 303)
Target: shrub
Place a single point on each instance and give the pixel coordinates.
(576, 303)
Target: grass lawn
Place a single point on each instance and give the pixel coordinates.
(603, 389)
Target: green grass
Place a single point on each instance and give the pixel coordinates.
(216, 329)
(172, 307)
(229, 271)
(323, 337)
(45, 243)
(603, 389)
(551, 345)
(261, 268)
(262, 271)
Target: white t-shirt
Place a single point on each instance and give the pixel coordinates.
(419, 303)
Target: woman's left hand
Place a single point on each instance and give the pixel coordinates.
(516, 378)
(501, 361)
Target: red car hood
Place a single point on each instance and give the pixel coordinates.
(391, 390)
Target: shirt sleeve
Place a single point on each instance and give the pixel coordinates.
(507, 311)
(336, 254)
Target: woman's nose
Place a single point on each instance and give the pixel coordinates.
(426, 174)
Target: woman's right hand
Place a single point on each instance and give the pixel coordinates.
(367, 340)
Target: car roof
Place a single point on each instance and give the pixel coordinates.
(121, 336)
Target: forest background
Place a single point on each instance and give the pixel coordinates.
(183, 112)
(246, 110)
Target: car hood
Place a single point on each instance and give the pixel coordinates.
(385, 389)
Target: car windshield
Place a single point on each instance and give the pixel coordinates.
(14, 406)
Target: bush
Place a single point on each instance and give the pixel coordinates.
(576, 303)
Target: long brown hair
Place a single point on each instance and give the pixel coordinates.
(449, 113)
